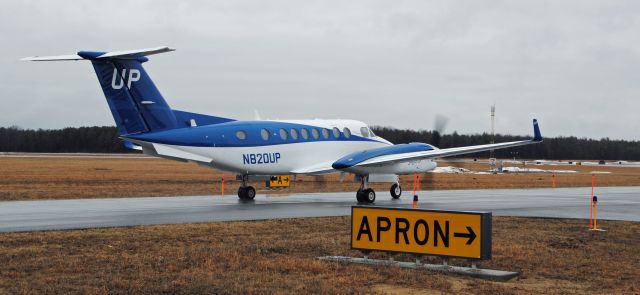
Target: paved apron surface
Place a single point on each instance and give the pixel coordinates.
(619, 203)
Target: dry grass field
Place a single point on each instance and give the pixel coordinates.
(279, 256)
(66, 178)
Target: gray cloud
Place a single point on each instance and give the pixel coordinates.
(573, 64)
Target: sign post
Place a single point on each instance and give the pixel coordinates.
(446, 234)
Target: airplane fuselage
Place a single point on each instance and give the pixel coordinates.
(268, 147)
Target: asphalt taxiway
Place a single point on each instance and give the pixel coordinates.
(616, 203)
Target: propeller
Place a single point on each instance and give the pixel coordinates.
(438, 128)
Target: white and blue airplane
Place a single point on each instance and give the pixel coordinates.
(254, 148)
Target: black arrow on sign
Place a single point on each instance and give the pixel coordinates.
(471, 235)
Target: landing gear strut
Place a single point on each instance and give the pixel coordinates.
(365, 194)
(246, 192)
(396, 190)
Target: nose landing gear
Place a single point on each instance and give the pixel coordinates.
(396, 190)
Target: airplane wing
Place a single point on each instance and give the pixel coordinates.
(419, 151)
(322, 168)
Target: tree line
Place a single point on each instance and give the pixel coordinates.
(95, 139)
(555, 148)
(104, 139)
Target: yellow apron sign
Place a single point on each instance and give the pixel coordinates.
(442, 233)
(279, 181)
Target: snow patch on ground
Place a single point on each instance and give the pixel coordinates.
(533, 170)
(459, 170)
(450, 169)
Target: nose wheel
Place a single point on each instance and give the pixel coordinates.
(396, 191)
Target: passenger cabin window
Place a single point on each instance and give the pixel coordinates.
(283, 134)
(315, 133)
(325, 133)
(294, 134)
(305, 133)
(336, 132)
(347, 132)
(364, 131)
(264, 133)
(241, 135)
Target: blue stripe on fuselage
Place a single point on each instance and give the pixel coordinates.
(224, 135)
(358, 157)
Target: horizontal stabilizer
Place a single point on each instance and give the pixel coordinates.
(52, 58)
(95, 55)
(133, 54)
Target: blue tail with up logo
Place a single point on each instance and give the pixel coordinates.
(136, 104)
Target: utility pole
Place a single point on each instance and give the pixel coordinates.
(492, 158)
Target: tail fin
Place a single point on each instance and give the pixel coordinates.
(136, 104)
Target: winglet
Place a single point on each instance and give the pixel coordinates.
(537, 136)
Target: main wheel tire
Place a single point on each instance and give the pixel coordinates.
(242, 193)
(250, 193)
(369, 196)
(360, 196)
(396, 191)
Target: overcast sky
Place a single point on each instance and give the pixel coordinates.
(575, 65)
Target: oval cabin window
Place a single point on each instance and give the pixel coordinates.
(283, 134)
(347, 132)
(336, 132)
(325, 133)
(264, 133)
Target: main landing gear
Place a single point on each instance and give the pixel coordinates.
(367, 195)
(246, 192)
(364, 193)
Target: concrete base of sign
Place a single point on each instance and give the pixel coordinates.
(498, 275)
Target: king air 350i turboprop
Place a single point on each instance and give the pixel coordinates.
(262, 147)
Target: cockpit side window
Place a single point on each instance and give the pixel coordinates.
(364, 131)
